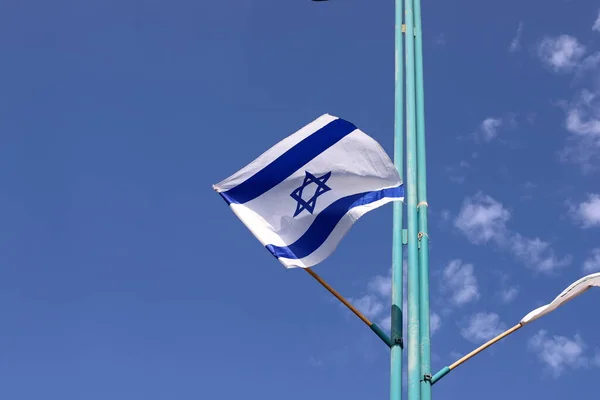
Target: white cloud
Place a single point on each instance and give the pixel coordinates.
(596, 26)
(592, 263)
(583, 122)
(455, 355)
(558, 352)
(386, 323)
(509, 294)
(482, 219)
(375, 303)
(435, 323)
(537, 253)
(515, 44)
(381, 285)
(561, 53)
(459, 280)
(482, 327)
(369, 305)
(589, 63)
(582, 115)
(587, 213)
(489, 128)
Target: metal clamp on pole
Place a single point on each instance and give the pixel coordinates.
(397, 339)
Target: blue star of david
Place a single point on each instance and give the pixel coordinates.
(310, 204)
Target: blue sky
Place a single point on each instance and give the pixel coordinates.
(124, 276)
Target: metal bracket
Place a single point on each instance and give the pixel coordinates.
(427, 378)
(398, 341)
(420, 236)
(403, 28)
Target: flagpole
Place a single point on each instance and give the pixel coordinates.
(422, 208)
(575, 289)
(374, 327)
(444, 371)
(411, 195)
(397, 263)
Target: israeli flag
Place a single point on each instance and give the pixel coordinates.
(302, 195)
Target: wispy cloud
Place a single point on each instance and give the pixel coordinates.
(592, 263)
(459, 281)
(375, 302)
(369, 305)
(559, 352)
(483, 326)
(596, 25)
(561, 53)
(509, 294)
(515, 44)
(589, 63)
(537, 253)
(587, 213)
(435, 323)
(488, 129)
(508, 291)
(376, 299)
(583, 122)
(482, 219)
(457, 173)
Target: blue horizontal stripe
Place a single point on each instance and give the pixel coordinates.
(327, 220)
(289, 162)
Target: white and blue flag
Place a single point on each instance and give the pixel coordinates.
(301, 196)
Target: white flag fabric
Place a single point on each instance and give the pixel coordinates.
(301, 196)
(569, 293)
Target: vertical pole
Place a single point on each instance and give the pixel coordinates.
(414, 372)
(422, 207)
(397, 273)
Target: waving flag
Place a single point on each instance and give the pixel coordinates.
(574, 290)
(301, 196)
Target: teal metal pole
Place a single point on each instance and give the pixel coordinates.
(397, 278)
(411, 195)
(422, 207)
(440, 374)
